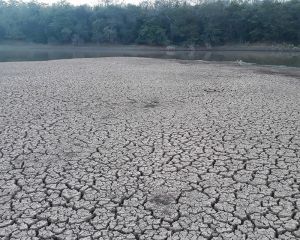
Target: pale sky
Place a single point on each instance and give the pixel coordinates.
(90, 2)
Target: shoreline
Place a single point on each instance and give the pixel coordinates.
(33, 52)
(225, 48)
(270, 69)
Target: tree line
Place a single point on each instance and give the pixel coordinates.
(153, 23)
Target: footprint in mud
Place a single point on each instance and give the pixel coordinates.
(212, 90)
(152, 104)
(70, 154)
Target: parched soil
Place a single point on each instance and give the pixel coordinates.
(133, 148)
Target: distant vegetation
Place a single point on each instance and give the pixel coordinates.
(160, 23)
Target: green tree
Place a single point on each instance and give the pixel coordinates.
(152, 35)
(157, 23)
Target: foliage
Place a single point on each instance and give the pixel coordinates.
(159, 23)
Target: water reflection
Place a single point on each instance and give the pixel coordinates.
(49, 53)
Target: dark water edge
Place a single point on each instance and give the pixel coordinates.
(44, 53)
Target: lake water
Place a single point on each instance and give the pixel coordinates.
(42, 53)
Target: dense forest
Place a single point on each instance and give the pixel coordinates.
(154, 23)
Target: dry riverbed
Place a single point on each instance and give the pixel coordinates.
(133, 148)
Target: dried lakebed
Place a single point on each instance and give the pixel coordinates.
(132, 148)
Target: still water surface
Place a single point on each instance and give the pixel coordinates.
(12, 53)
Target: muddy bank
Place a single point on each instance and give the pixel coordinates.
(135, 148)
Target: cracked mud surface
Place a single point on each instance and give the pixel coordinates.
(128, 148)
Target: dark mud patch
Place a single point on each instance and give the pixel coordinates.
(152, 104)
(70, 154)
(191, 62)
(132, 101)
(162, 199)
(213, 90)
(285, 73)
(144, 104)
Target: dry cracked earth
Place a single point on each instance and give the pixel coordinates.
(129, 148)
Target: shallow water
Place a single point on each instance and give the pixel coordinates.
(42, 53)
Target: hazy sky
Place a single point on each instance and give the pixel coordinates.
(90, 2)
